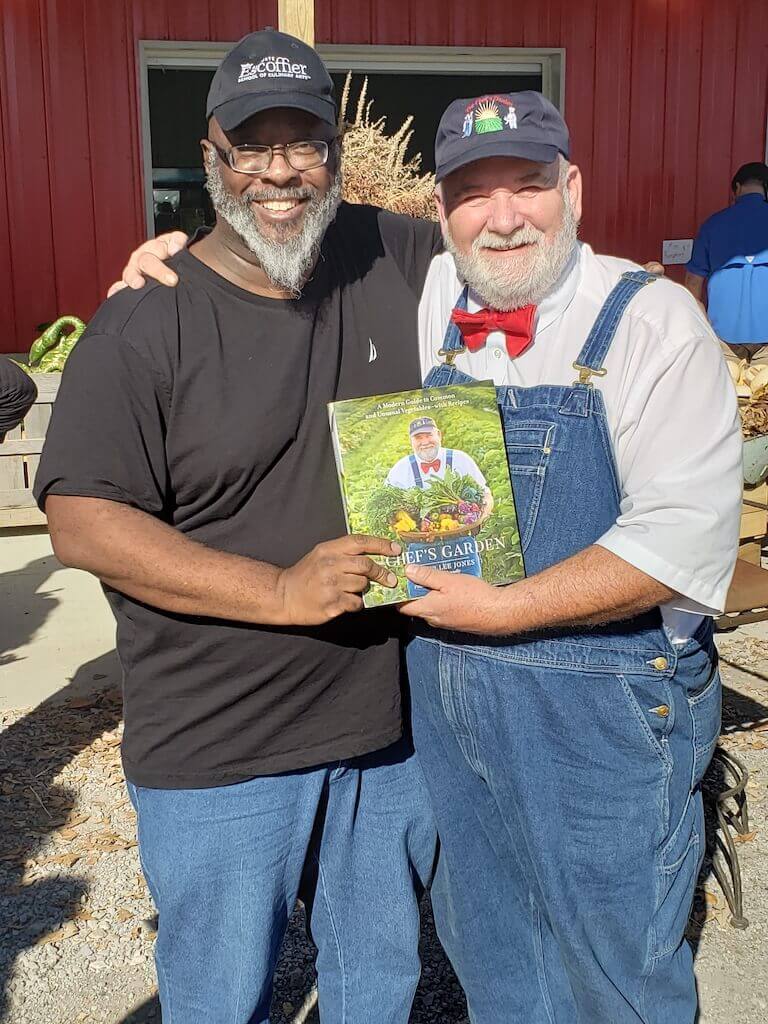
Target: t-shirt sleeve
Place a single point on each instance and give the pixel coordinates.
(107, 430)
(17, 394)
(699, 263)
(412, 243)
(679, 454)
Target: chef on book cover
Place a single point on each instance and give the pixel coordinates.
(429, 460)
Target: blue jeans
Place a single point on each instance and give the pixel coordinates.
(565, 778)
(224, 867)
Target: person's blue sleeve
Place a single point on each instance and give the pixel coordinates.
(699, 262)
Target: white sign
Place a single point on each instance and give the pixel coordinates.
(676, 250)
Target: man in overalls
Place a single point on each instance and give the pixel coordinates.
(564, 723)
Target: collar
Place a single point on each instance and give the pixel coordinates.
(751, 195)
(556, 301)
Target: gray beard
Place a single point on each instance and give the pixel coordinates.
(504, 286)
(288, 258)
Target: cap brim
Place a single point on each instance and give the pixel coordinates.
(536, 151)
(235, 111)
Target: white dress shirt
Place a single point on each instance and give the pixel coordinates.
(672, 417)
(401, 474)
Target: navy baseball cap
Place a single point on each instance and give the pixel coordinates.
(521, 124)
(270, 69)
(422, 425)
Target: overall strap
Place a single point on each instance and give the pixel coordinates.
(453, 340)
(590, 359)
(415, 470)
(449, 458)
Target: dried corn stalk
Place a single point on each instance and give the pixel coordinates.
(374, 164)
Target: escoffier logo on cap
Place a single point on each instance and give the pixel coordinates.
(273, 67)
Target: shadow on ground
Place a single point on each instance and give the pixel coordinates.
(33, 750)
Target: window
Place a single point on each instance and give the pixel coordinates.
(402, 80)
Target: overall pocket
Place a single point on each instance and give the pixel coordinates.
(705, 707)
(529, 446)
(677, 871)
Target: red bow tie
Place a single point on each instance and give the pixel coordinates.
(517, 325)
(427, 466)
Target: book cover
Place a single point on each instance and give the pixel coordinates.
(428, 469)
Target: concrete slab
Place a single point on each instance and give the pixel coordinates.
(57, 634)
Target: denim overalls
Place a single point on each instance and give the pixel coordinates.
(565, 767)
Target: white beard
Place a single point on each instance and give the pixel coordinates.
(428, 456)
(505, 284)
(287, 259)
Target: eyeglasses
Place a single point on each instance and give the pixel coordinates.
(302, 156)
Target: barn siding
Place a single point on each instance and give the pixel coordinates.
(664, 99)
(71, 202)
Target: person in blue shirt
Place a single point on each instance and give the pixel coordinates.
(730, 254)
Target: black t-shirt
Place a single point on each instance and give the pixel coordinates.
(17, 394)
(206, 406)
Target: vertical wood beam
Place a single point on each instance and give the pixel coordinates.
(297, 18)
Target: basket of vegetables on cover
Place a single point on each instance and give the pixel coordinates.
(451, 507)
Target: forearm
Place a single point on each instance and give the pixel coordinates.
(152, 562)
(695, 286)
(595, 586)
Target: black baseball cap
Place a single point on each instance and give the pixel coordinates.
(521, 124)
(270, 69)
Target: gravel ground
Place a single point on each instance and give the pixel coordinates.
(77, 925)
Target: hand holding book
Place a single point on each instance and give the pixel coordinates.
(331, 579)
(456, 601)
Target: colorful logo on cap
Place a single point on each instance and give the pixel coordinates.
(489, 114)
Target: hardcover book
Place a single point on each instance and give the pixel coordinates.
(428, 469)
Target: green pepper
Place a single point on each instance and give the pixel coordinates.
(55, 338)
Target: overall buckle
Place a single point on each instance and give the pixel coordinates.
(585, 372)
(448, 355)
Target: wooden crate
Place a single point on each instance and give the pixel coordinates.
(754, 512)
(20, 457)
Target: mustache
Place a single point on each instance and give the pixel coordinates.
(267, 194)
(527, 235)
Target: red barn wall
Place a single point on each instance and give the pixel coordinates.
(664, 98)
(71, 202)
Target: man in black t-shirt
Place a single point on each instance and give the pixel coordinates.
(189, 466)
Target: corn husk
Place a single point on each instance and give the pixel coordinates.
(751, 383)
(754, 419)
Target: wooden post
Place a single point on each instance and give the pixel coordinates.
(297, 18)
